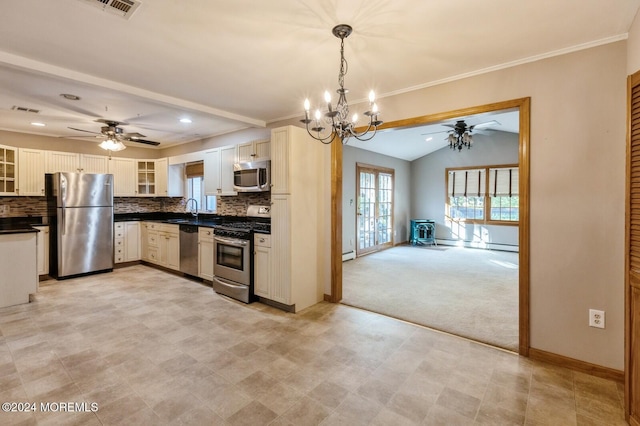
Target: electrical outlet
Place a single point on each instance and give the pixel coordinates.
(596, 318)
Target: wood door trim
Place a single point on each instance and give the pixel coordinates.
(523, 105)
(630, 277)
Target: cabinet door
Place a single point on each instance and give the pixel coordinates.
(246, 151)
(262, 270)
(131, 241)
(8, 162)
(173, 251)
(62, 162)
(227, 159)
(205, 259)
(280, 290)
(144, 236)
(94, 163)
(252, 150)
(146, 177)
(263, 149)
(42, 241)
(212, 172)
(31, 172)
(280, 161)
(124, 176)
(176, 180)
(162, 173)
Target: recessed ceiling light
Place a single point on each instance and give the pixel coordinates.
(429, 138)
(70, 97)
(38, 124)
(185, 120)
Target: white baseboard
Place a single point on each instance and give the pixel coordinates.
(348, 255)
(488, 246)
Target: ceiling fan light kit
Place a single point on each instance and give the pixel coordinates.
(461, 136)
(114, 136)
(112, 145)
(337, 118)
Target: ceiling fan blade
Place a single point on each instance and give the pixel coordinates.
(435, 133)
(135, 135)
(486, 124)
(81, 130)
(142, 141)
(112, 123)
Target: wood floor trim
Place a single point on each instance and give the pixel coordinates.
(577, 365)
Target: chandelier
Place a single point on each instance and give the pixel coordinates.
(461, 136)
(337, 117)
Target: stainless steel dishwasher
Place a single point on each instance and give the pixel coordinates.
(189, 249)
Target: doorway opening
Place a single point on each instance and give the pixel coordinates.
(523, 107)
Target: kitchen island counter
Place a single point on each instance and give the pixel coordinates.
(18, 264)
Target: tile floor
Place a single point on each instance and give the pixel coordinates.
(148, 347)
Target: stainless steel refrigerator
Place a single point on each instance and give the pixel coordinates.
(81, 230)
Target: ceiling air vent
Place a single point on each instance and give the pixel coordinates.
(122, 8)
(24, 109)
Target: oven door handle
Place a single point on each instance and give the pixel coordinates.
(229, 283)
(231, 241)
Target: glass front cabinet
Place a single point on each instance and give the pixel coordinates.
(8, 159)
(146, 177)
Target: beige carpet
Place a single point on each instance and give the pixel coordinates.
(468, 292)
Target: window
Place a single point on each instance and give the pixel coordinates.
(483, 194)
(195, 188)
(503, 188)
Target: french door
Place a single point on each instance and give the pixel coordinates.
(374, 209)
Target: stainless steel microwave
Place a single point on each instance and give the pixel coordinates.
(252, 176)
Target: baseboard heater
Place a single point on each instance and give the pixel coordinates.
(348, 255)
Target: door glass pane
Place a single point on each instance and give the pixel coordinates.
(374, 209)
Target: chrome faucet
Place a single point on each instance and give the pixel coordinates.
(195, 202)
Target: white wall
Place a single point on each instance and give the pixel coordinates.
(401, 193)
(428, 192)
(633, 46)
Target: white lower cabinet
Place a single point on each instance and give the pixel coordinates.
(42, 241)
(205, 253)
(126, 241)
(161, 244)
(262, 265)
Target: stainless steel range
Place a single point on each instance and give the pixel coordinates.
(233, 253)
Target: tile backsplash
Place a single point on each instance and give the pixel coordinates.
(227, 206)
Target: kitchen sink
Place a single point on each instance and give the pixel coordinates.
(193, 221)
(182, 220)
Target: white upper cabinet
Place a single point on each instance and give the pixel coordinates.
(280, 160)
(94, 163)
(124, 176)
(162, 177)
(218, 171)
(56, 161)
(31, 172)
(256, 149)
(8, 163)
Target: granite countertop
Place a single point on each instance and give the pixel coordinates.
(19, 225)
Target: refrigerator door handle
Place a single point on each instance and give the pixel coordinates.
(63, 198)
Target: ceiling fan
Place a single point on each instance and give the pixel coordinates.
(112, 131)
(461, 135)
(460, 127)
